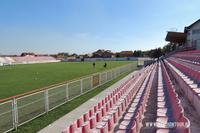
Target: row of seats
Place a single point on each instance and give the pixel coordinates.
(102, 117)
(186, 63)
(132, 118)
(122, 111)
(189, 87)
(195, 52)
(170, 114)
(194, 59)
(193, 56)
(196, 64)
(194, 75)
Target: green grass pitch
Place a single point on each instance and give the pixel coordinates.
(22, 78)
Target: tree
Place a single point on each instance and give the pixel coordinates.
(138, 53)
(25, 53)
(63, 54)
(155, 53)
(101, 53)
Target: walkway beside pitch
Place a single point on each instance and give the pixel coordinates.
(58, 125)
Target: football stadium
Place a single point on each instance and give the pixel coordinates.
(94, 66)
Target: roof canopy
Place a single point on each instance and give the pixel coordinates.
(176, 37)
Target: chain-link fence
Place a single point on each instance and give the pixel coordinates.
(20, 110)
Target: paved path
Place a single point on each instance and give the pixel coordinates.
(58, 125)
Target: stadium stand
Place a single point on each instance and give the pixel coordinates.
(34, 59)
(6, 61)
(29, 59)
(122, 111)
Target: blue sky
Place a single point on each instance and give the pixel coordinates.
(83, 26)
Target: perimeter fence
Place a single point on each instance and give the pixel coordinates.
(21, 110)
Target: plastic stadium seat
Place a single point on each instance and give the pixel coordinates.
(110, 121)
(92, 121)
(98, 116)
(125, 127)
(102, 127)
(91, 112)
(114, 115)
(85, 127)
(86, 117)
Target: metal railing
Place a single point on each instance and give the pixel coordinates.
(21, 110)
